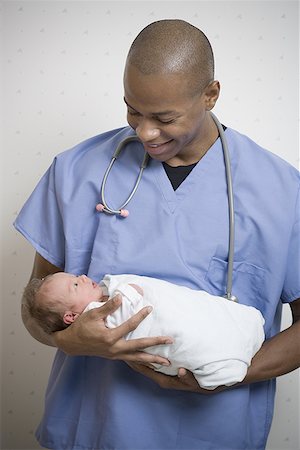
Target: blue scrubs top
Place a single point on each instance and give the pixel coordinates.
(180, 236)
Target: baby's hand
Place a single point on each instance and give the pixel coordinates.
(137, 288)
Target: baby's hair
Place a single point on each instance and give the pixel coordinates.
(46, 317)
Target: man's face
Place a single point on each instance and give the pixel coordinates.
(169, 121)
(70, 292)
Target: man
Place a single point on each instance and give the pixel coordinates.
(177, 230)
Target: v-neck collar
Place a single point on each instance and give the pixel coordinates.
(209, 162)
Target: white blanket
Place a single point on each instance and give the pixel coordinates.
(214, 338)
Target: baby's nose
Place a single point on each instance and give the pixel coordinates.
(83, 278)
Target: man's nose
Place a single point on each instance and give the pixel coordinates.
(147, 131)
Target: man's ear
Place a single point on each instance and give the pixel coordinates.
(69, 317)
(212, 94)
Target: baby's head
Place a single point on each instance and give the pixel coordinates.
(57, 300)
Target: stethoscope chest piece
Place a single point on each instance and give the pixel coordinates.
(231, 297)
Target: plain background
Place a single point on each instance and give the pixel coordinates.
(61, 70)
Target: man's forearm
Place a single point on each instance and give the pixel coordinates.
(278, 356)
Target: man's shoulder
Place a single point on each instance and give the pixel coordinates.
(98, 143)
(250, 154)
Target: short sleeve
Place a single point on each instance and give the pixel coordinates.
(291, 287)
(40, 220)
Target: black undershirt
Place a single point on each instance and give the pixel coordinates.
(178, 174)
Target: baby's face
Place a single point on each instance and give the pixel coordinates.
(71, 291)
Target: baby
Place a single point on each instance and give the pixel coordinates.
(214, 338)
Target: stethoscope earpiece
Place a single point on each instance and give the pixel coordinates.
(100, 207)
(122, 212)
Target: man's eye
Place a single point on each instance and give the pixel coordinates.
(166, 122)
(75, 284)
(133, 113)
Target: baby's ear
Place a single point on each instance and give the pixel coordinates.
(69, 317)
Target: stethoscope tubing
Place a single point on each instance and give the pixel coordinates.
(107, 209)
(230, 197)
(117, 152)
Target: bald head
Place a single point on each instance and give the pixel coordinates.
(174, 47)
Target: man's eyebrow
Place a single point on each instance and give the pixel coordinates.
(160, 113)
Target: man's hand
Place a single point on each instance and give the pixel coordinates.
(88, 335)
(184, 381)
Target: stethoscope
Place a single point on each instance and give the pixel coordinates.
(104, 207)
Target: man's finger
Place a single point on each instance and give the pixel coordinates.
(110, 307)
(132, 323)
(146, 359)
(135, 345)
(182, 372)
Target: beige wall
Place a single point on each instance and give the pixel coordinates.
(62, 70)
